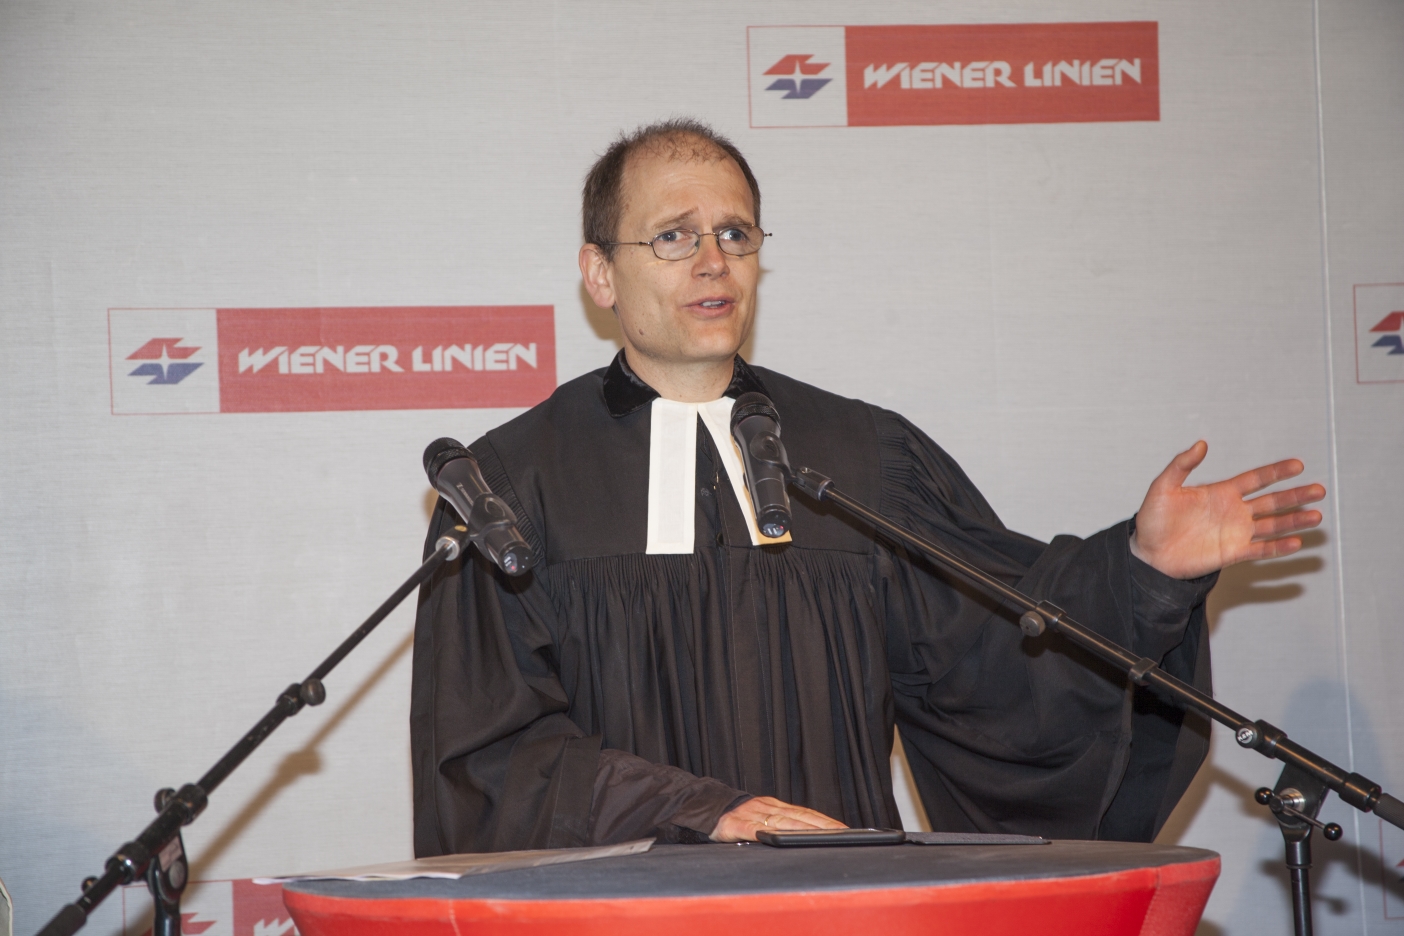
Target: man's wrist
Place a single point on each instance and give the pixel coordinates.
(1165, 591)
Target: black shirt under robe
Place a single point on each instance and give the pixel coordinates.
(610, 694)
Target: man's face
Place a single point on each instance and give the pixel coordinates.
(681, 312)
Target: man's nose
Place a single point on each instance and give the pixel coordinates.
(710, 258)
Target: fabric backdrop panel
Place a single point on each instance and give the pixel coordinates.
(1062, 305)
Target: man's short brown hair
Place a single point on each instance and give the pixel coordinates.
(602, 204)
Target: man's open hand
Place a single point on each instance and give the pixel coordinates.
(767, 812)
(1186, 532)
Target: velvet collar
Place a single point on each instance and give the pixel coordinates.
(625, 393)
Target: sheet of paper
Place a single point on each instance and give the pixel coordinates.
(457, 866)
(973, 838)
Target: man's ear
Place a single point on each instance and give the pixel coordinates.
(598, 274)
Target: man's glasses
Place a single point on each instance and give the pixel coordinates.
(737, 240)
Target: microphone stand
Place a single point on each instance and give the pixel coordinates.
(158, 853)
(1305, 780)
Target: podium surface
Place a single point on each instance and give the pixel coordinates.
(1083, 888)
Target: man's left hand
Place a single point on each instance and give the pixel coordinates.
(767, 812)
(1186, 532)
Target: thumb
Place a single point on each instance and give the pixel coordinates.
(1176, 473)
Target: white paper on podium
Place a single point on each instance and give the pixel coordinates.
(974, 838)
(457, 866)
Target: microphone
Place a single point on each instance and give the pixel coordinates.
(756, 428)
(454, 473)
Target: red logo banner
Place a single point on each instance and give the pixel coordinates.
(1007, 73)
(415, 357)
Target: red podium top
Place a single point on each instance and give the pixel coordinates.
(1074, 888)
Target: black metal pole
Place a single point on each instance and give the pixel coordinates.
(1299, 869)
(132, 860)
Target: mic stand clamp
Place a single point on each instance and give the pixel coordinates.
(1295, 801)
(166, 878)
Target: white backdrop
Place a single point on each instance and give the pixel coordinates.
(1063, 306)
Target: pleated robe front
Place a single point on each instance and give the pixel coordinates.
(610, 693)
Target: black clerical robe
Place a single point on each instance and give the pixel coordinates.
(611, 694)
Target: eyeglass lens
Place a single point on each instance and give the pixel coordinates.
(738, 241)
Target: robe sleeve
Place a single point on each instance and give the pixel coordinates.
(498, 763)
(1035, 735)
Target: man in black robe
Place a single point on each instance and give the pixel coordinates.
(668, 670)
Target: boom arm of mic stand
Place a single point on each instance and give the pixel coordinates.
(131, 861)
(1262, 737)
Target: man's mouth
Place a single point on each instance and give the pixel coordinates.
(713, 304)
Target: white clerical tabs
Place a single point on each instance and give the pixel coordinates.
(672, 477)
(672, 473)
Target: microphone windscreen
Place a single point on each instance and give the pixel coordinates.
(753, 404)
(439, 453)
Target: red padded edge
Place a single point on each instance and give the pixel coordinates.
(1092, 905)
(1179, 901)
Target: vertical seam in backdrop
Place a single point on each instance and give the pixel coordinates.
(1332, 442)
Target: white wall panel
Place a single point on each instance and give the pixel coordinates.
(1063, 306)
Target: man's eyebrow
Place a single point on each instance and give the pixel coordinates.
(669, 224)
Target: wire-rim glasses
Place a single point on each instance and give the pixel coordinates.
(736, 240)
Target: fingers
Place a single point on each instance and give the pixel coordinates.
(1259, 478)
(787, 821)
(822, 821)
(766, 812)
(1272, 549)
(1267, 528)
(1181, 465)
(773, 813)
(1274, 515)
(1278, 501)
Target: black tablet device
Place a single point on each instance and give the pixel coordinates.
(800, 838)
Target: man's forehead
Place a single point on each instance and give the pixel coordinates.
(641, 179)
(680, 147)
